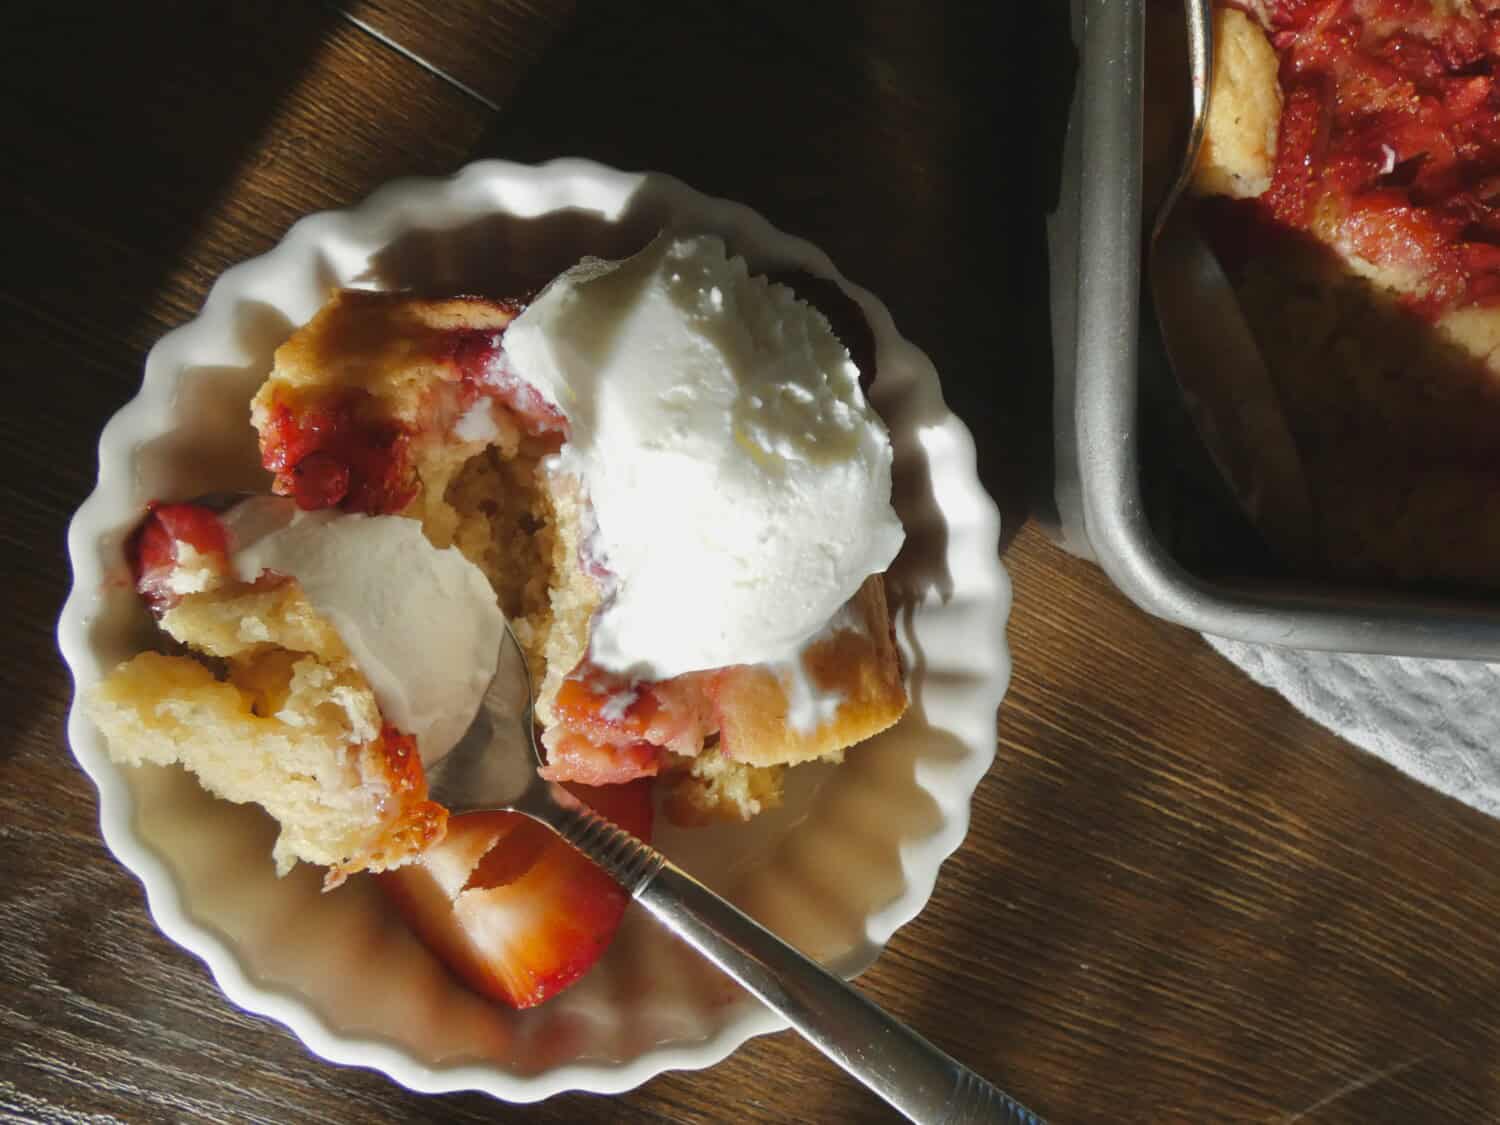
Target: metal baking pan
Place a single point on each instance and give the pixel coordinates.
(1131, 488)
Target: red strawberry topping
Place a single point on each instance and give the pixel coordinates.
(154, 547)
(337, 452)
(1389, 142)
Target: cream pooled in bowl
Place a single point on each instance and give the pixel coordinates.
(421, 623)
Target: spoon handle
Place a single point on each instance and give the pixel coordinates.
(890, 1058)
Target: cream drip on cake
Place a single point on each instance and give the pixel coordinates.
(738, 478)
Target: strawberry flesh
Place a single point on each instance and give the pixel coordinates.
(1389, 139)
(338, 452)
(153, 548)
(511, 909)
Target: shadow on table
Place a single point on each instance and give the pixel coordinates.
(124, 127)
(922, 161)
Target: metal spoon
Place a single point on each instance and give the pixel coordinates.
(494, 767)
(1219, 368)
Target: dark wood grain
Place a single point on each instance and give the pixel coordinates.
(1179, 900)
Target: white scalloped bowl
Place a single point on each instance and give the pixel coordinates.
(850, 857)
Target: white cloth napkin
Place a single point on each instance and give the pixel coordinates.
(1436, 720)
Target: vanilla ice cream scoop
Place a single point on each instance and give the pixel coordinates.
(421, 623)
(740, 482)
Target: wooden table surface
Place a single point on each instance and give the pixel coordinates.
(1178, 901)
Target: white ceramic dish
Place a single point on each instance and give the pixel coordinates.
(850, 858)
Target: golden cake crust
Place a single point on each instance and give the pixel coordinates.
(283, 719)
(1244, 111)
(393, 346)
(858, 665)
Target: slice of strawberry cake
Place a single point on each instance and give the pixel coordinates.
(669, 473)
(662, 473)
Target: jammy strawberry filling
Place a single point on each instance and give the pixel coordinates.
(610, 730)
(340, 447)
(482, 371)
(1389, 140)
(172, 533)
(329, 454)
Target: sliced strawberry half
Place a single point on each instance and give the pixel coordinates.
(510, 908)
